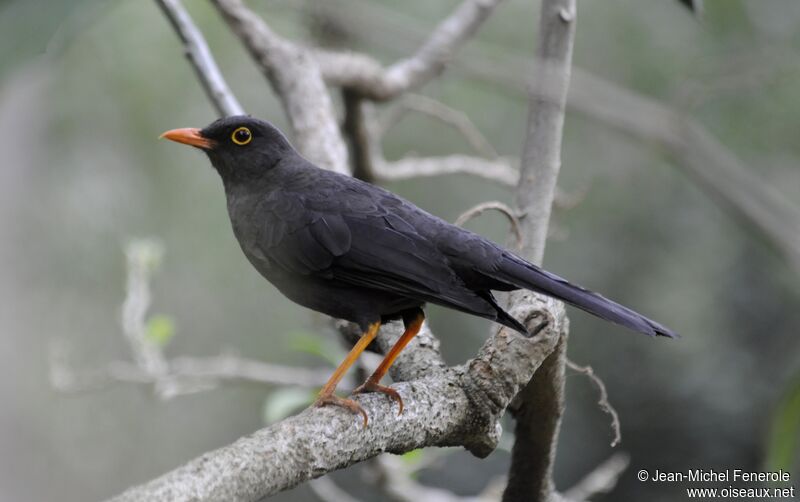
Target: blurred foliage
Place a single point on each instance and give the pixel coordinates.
(324, 348)
(783, 448)
(160, 329)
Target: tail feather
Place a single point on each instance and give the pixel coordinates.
(516, 271)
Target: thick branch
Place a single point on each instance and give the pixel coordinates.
(537, 410)
(296, 79)
(541, 154)
(539, 406)
(199, 55)
(455, 406)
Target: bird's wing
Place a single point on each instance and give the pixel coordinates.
(357, 240)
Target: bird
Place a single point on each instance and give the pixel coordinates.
(355, 251)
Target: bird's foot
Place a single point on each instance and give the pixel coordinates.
(333, 399)
(372, 386)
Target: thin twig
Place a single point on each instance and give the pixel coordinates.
(444, 113)
(186, 375)
(150, 366)
(603, 402)
(428, 62)
(497, 170)
(199, 55)
(504, 209)
(143, 257)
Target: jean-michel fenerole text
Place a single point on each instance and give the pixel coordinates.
(727, 475)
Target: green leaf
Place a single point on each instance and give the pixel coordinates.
(317, 346)
(783, 446)
(281, 403)
(412, 457)
(160, 330)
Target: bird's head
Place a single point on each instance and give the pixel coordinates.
(240, 148)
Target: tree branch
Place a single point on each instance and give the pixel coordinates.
(379, 84)
(603, 402)
(297, 81)
(717, 170)
(199, 55)
(539, 406)
(457, 406)
(498, 170)
(169, 377)
(185, 375)
(497, 206)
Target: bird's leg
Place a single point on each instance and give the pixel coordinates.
(413, 324)
(327, 396)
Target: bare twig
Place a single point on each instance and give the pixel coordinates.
(199, 55)
(601, 480)
(383, 84)
(498, 170)
(169, 377)
(603, 402)
(185, 375)
(143, 257)
(444, 113)
(297, 80)
(504, 209)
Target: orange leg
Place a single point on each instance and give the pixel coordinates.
(413, 325)
(326, 395)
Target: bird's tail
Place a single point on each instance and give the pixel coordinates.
(520, 273)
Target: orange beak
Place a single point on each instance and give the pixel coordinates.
(189, 136)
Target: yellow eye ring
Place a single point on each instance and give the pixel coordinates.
(242, 136)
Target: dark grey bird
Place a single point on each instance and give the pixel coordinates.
(355, 251)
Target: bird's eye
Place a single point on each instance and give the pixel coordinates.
(242, 136)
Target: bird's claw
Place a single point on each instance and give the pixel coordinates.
(332, 399)
(370, 386)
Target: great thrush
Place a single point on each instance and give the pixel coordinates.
(355, 251)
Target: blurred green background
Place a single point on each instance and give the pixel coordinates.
(87, 86)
